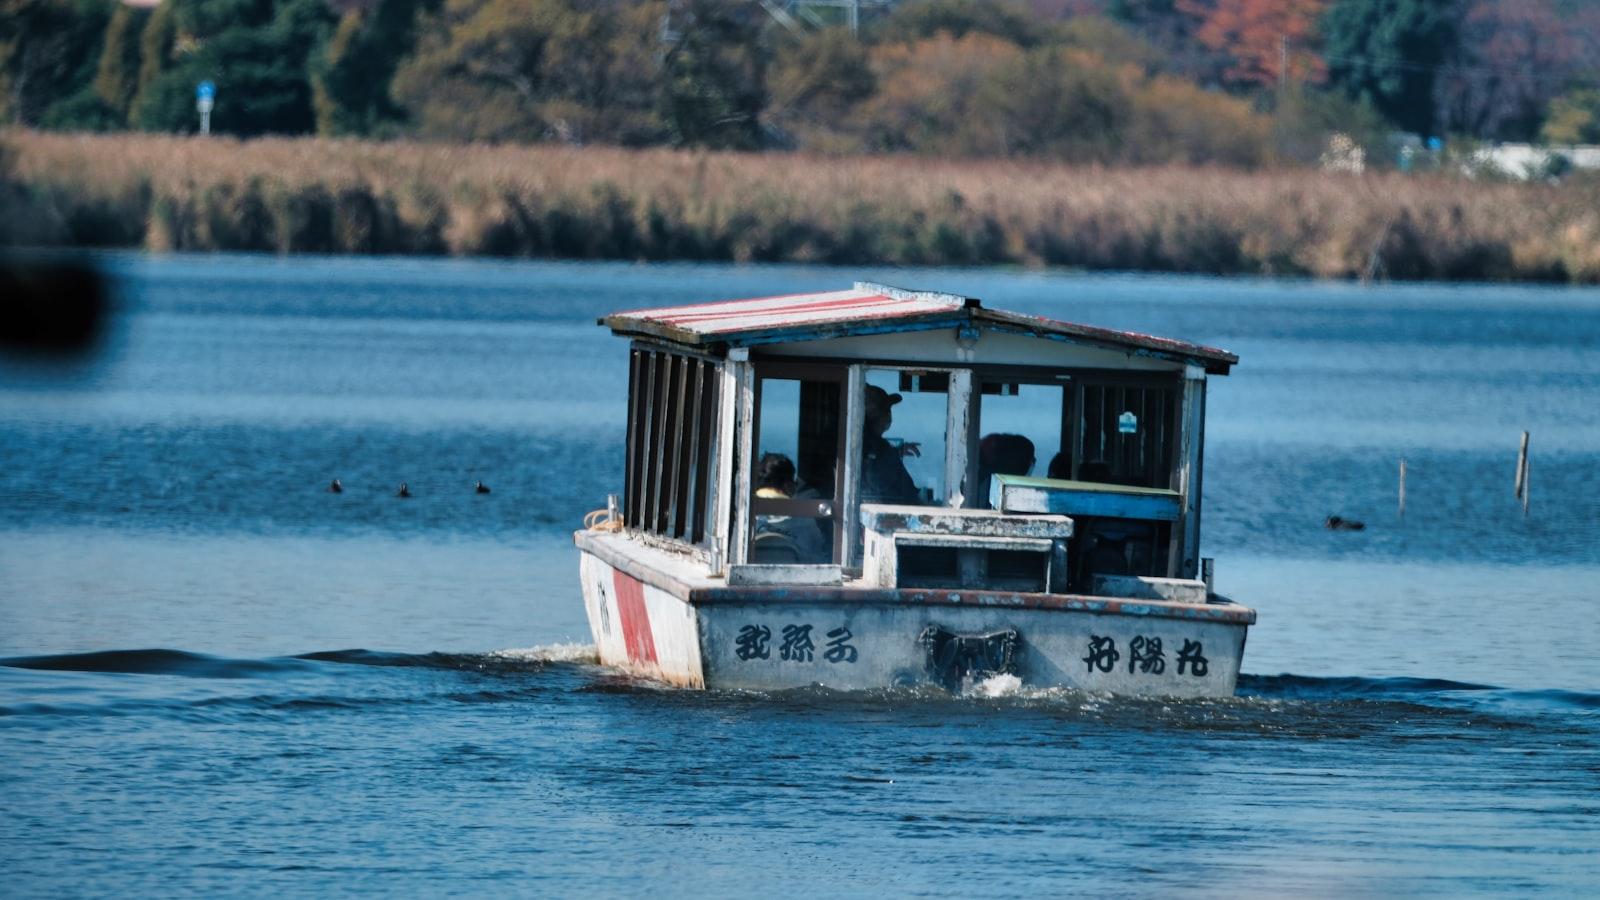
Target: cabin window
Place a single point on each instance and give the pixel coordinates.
(1130, 427)
(903, 437)
(1088, 426)
(672, 403)
(1124, 430)
(1023, 428)
(799, 440)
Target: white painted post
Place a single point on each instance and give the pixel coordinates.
(849, 468)
(1191, 448)
(957, 416)
(722, 485)
(745, 440)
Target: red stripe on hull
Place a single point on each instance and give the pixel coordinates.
(635, 618)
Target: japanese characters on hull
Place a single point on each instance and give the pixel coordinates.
(754, 642)
(1147, 654)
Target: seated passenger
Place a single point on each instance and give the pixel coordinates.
(784, 539)
(884, 478)
(1060, 466)
(1002, 454)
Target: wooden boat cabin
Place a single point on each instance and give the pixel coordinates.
(874, 445)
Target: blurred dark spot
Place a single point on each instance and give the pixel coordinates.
(51, 308)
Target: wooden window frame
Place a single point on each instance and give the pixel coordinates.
(671, 466)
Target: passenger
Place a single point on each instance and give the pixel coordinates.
(884, 478)
(1061, 466)
(1002, 454)
(780, 536)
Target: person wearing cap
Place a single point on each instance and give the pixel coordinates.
(884, 478)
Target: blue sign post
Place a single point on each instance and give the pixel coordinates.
(204, 98)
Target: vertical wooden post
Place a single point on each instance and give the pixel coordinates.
(745, 448)
(1402, 487)
(958, 415)
(1522, 473)
(1522, 467)
(849, 468)
(1185, 561)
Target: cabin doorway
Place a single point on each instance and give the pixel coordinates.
(799, 425)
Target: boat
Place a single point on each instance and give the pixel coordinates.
(878, 487)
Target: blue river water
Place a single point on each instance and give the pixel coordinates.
(217, 677)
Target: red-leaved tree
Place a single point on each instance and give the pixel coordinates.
(1261, 36)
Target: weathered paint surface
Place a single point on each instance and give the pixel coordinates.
(870, 308)
(1222, 611)
(764, 646)
(1016, 494)
(855, 638)
(1186, 590)
(942, 520)
(640, 627)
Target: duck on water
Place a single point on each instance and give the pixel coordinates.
(899, 548)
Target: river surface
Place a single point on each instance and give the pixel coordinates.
(217, 677)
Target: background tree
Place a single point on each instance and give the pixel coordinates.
(351, 78)
(814, 84)
(116, 79)
(48, 53)
(157, 42)
(936, 96)
(714, 75)
(1390, 52)
(536, 70)
(1512, 59)
(255, 51)
(1260, 36)
(1574, 118)
(1172, 32)
(916, 19)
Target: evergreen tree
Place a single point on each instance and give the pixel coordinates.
(48, 53)
(255, 51)
(117, 79)
(351, 78)
(1390, 52)
(714, 76)
(156, 41)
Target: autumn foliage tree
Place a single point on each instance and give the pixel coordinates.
(1261, 37)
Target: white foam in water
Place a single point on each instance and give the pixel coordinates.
(997, 686)
(573, 652)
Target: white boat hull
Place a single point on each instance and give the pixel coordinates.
(764, 638)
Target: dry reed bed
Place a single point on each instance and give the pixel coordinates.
(304, 195)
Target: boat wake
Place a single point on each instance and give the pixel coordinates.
(129, 682)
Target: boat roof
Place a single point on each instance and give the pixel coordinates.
(868, 308)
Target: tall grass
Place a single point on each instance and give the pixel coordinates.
(306, 195)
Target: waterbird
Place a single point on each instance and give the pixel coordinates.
(404, 491)
(1339, 523)
(481, 488)
(336, 487)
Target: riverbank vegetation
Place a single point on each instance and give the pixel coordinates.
(1232, 82)
(347, 196)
